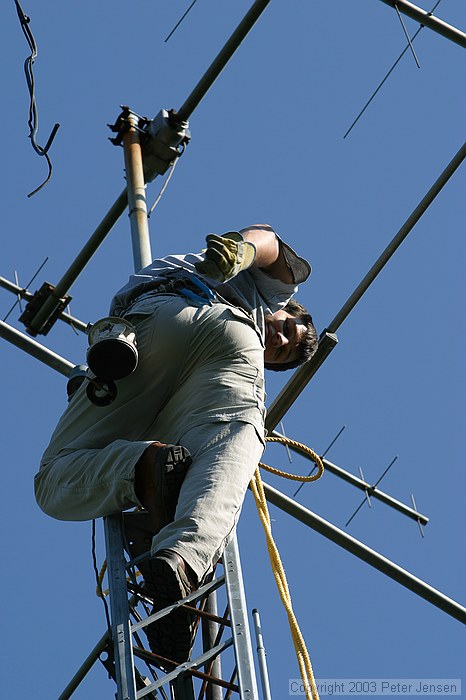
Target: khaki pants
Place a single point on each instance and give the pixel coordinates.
(199, 383)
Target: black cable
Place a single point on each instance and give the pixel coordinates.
(179, 21)
(33, 121)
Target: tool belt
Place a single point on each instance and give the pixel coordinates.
(188, 285)
(180, 282)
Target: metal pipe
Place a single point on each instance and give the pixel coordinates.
(142, 255)
(304, 374)
(426, 19)
(398, 239)
(363, 552)
(81, 261)
(27, 296)
(239, 622)
(222, 59)
(35, 349)
(374, 492)
(261, 656)
(16, 289)
(209, 639)
(85, 667)
(363, 485)
(119, 608)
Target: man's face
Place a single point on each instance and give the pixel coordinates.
(283, 332)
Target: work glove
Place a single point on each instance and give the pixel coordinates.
(225, 256)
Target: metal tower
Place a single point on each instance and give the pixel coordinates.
(224, 642)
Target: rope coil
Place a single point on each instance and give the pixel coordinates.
(304, 448)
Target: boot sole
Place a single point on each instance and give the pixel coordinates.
(173, 635)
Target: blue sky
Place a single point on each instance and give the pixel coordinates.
(267, 145)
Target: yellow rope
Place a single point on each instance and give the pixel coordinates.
(303, 448)
(98, 589)
(257, 488)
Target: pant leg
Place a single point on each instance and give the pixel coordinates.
(84, 484)
(87, 470)
(225, 456)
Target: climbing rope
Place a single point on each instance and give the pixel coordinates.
(100, 593)
(257, 488)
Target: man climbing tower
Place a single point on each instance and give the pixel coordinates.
(186, 430)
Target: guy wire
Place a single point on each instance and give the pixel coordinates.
(179, 21)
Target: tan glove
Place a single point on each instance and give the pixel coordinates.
(225, 256)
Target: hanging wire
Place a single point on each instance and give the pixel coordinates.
(165, 185)
(389, 72)
(72, 326)
(179, 21)
(33, 120)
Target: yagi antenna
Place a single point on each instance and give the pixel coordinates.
(18, 300)
(370, 491)
(387, 75)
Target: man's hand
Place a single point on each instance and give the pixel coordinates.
(225, 256)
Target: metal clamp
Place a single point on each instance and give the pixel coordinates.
(38, 300)
(163, 139)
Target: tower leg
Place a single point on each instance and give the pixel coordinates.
(119, 608)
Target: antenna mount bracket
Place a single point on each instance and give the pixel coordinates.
(163, 139)
(35, 304)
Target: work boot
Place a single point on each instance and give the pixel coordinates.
(168, 579)
(159, 475)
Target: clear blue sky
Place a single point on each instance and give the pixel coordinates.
(267, 145)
